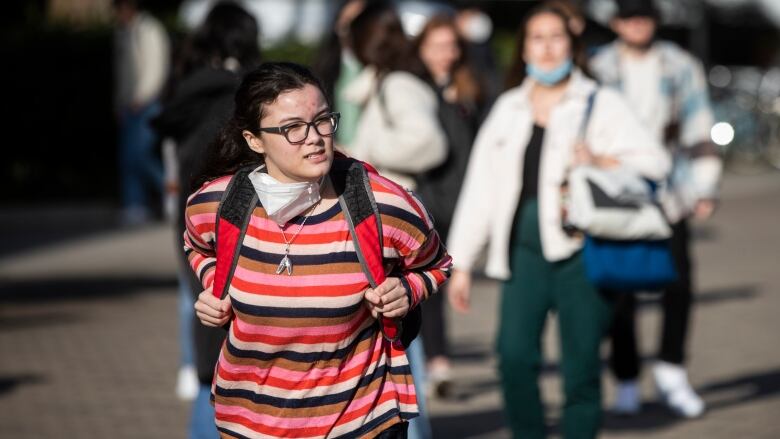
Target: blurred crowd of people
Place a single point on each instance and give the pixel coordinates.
(487, 153)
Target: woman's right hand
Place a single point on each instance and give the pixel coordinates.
(459, 290)
(212, 311)
(583, 156)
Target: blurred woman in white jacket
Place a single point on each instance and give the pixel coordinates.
(511, 201)
(398, 131)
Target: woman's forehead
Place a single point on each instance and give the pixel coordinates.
(297, 102)
(546, 22)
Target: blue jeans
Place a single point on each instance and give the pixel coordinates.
(419, 427)
(139, 168)
(202, 425)
(186, 320)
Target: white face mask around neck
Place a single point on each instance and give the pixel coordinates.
(283, 201)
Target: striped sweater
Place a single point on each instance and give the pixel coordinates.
(303, 357)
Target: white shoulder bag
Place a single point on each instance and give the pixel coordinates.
(615, 204)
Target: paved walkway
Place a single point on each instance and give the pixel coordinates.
(88, 328)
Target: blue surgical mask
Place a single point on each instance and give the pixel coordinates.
(549, 77)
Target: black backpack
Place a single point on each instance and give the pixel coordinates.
(351, 180)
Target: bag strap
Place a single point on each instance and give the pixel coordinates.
(352, 182)
(233, 215)
(588, 112)
(589, 103)
(383, 104)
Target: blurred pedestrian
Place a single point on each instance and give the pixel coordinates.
(140, 69)
(511, 200)
(460, 103)
(476, 29)
(207, 73)
(666, 88)
(304, 355)
(337, 65)
(399, 131)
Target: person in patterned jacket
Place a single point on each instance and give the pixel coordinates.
(667, 90)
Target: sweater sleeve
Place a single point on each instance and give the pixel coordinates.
(423, 262)
(200, 229)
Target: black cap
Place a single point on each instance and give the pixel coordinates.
(636, 8)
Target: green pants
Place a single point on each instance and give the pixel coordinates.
(537, 287)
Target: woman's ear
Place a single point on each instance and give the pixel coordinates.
(254, 143)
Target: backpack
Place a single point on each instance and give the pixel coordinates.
(351, 181)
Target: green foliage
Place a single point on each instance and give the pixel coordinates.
(503, 47)
(291, 51)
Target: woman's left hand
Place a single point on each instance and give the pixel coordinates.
(389, 298)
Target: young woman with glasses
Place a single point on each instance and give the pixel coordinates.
(304, 355)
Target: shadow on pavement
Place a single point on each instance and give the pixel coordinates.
(717, 295)
(9, 383)
(468, 425)
(735, 391)
(712, 296)
(31, 228)
(466, 391)
(469, 352)
(68, 289)
(719, 395)
(38, 318)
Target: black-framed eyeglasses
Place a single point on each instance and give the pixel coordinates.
(297, 132)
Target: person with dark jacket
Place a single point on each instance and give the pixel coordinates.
(460, 103)
(207, 73)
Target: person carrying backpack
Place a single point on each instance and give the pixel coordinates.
(312, 260)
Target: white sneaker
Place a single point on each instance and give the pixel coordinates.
(439, 380)
(676, 392)
(627, 400)
(187, 383)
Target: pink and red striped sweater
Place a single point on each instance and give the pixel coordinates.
(303, 357)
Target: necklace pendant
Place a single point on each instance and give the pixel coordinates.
(285, 264)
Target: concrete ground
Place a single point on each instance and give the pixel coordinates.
(89, 349)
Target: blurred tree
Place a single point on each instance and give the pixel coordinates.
(80, 12)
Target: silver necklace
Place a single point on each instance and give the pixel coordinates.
(286, 263)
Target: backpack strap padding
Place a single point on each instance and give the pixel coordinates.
(233, 215)
(353, 184)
